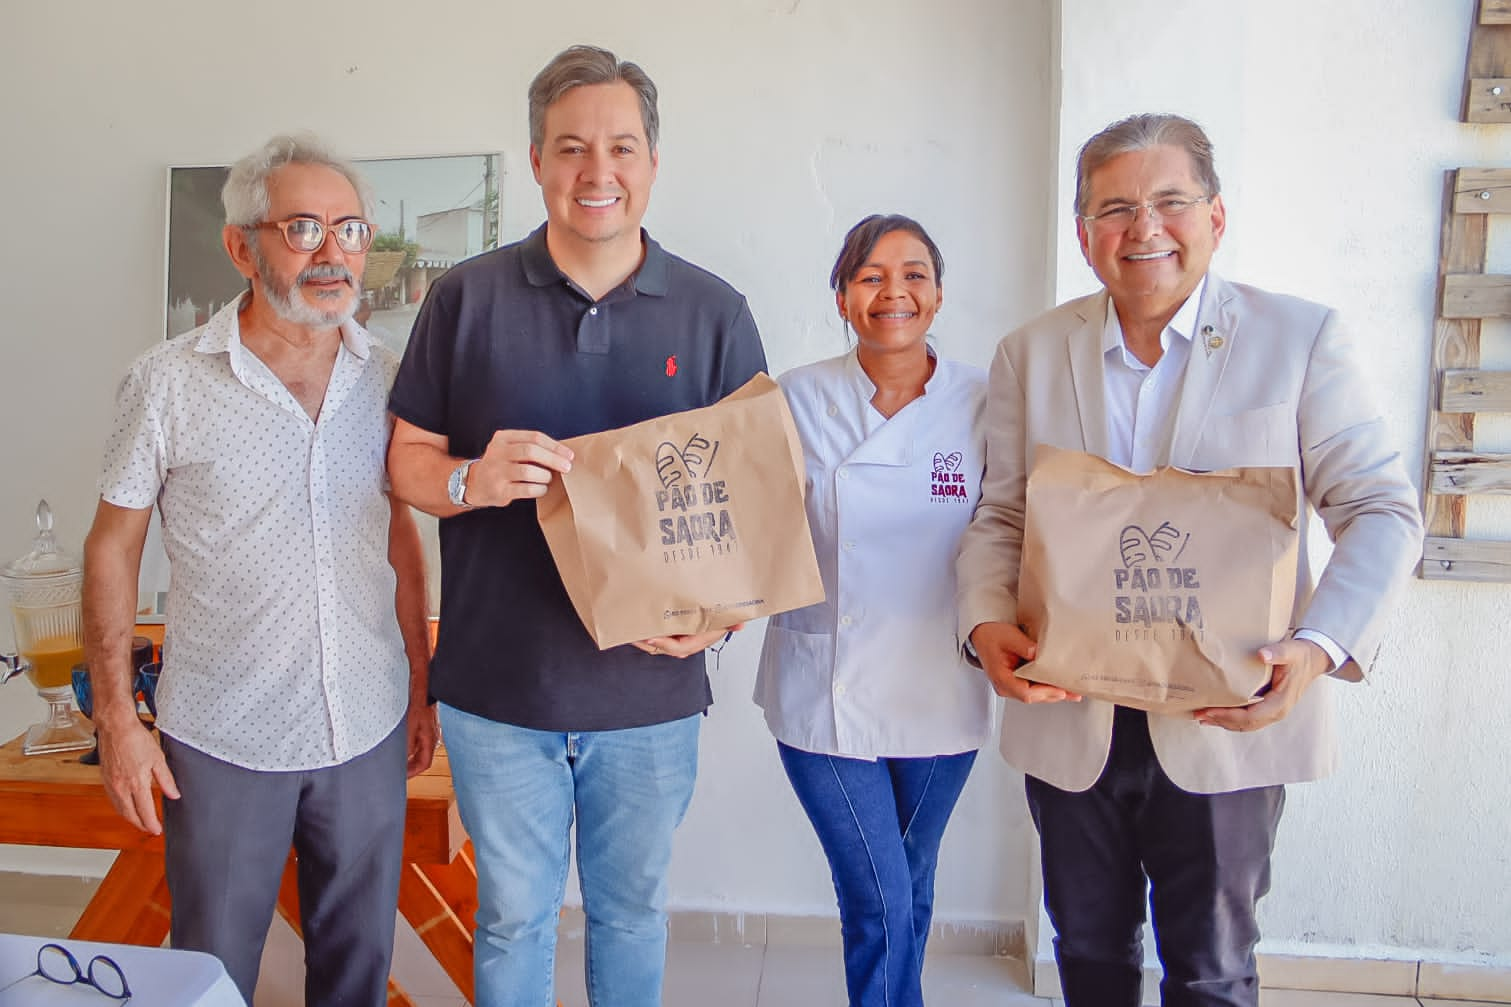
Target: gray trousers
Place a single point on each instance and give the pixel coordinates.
(1207, 861)
(227, 839)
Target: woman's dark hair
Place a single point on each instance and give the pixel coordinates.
(862, 239)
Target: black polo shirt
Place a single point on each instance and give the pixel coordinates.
(505, 341)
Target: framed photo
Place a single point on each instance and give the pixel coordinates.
(430, 213)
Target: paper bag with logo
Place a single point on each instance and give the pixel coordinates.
(1155, 591)
(685, 523)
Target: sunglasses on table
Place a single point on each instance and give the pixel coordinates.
(56, 964)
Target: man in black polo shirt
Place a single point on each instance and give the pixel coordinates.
(586, 325)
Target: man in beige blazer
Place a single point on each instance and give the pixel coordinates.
(1171, 365)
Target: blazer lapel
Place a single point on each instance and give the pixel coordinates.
(1088, 366)
(1217, 330)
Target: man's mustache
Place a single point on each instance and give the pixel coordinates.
(325, 271)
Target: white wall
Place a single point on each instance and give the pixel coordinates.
(783, 123)
(1334, 123)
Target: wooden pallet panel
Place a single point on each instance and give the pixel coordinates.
(1474, 392)
(1482, 190)
(1465, 472)
(1486, 295)
(1455, 347)
(1454, 471)
(1487, 85)
(1462, 559)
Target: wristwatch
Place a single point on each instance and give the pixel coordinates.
(456, 486)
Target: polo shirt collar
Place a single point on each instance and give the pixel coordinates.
(541, 270)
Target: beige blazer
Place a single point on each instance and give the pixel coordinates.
(1278, 387)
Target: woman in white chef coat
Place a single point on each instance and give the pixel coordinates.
(877, 718)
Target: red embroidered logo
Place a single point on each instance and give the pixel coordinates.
(671, 366)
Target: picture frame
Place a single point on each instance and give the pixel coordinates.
(429, 213)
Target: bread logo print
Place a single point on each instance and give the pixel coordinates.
(1151, 590)
(697, 521)
(1140, 548)
(947, 482)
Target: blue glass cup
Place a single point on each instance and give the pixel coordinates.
(81, 690)
(144, 685)
(85, 697)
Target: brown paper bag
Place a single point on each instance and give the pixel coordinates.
(686, 523)
(1155, 591)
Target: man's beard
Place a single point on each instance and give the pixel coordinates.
(289, 304)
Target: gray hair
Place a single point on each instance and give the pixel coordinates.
(1140, 132)
(587, 64)
(245, 194)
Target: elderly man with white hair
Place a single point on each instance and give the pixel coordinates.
(293, 689)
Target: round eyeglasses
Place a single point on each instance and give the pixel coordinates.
(1120, 218)
(56, 964)
(306, 234)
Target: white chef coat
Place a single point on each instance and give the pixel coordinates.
(875, 669)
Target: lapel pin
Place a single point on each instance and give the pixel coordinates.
(1210, 340)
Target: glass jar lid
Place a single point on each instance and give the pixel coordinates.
(46, 559)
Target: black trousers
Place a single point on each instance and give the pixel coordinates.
(227, 838)
(1206, 859)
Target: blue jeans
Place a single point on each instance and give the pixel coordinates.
(518, 791)
(880, 824)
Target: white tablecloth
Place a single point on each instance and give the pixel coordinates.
(158, 977)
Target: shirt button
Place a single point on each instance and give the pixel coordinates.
(839, 690)
(849, 546)
(834, 410)
(593, 311)
(844, 473)
(845, 620)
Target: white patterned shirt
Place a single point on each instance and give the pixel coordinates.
(282, 647)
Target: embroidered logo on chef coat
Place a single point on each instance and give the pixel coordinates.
(947, 483)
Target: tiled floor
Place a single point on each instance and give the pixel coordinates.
(698, 974)
(740, 975)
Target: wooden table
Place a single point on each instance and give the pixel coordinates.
(52, 800)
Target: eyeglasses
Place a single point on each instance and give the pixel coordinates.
(56, 964)
(306, 234)
(1120, 218)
